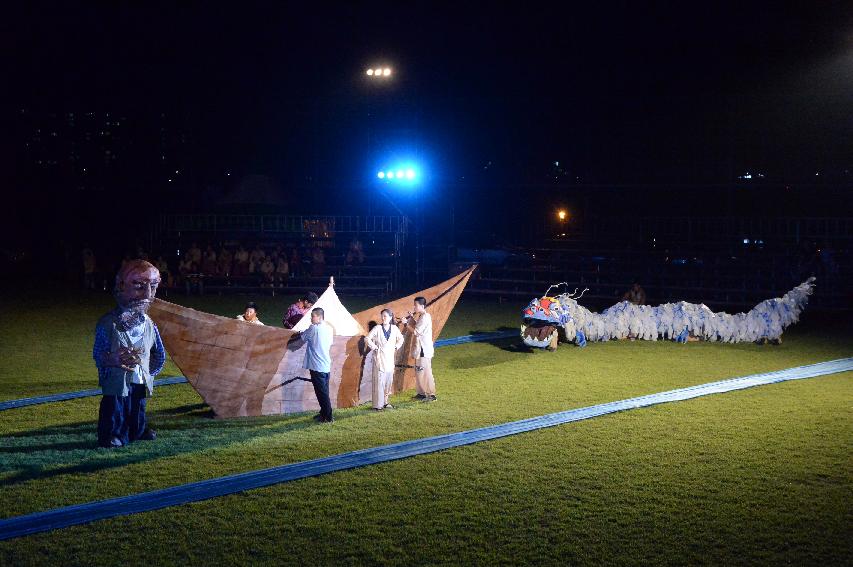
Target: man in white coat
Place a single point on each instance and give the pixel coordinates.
(384, 340)
(422, 350)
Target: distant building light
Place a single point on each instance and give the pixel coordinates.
(170, 180)
(746, 240)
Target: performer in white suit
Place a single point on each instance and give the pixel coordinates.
(384, 340)
(422, 350)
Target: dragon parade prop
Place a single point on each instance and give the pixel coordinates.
(681, 322)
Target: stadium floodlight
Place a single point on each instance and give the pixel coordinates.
(379, 72)
(406, 173)
(562, 214)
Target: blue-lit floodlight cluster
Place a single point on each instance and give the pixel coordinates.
(399, 174)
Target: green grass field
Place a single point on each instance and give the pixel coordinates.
(757, 476)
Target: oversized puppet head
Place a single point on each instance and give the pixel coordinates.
(541, 319)
(135, 288)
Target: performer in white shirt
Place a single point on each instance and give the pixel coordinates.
(422, 350)
(384, 340)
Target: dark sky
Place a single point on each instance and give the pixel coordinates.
(619, 94)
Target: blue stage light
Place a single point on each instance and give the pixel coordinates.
(402, 174)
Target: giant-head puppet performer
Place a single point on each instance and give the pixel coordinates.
(128, 353)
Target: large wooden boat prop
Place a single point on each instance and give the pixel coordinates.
(240, 369)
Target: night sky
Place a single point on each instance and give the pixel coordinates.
(626, 94)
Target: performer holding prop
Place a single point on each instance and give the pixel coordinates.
(422, 349)
(128, 352)
(384, 340)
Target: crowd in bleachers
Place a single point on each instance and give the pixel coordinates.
(265, 265)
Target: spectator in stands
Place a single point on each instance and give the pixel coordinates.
(89, 268)
(190, 276)
(255, 264)
(250, 315)
(257, 256)
(241, 262)
(355, 254)
(165, 274)
(318, 262)
(282, 270)
(268, 272)
(636, 295)
(298, 309)
(295, 262)
(224, 261)
(208, 265)
(194, 254)
(185, 268)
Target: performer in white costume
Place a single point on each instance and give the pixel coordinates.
(422, 350)
(384, 340)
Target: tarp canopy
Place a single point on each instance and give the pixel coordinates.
(335, 314)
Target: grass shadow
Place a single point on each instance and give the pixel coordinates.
(501, 329)
(34, 454)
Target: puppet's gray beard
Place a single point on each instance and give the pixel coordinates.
(131, 317)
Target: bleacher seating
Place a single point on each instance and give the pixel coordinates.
(682, 261)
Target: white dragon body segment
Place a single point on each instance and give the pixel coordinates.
(670, 321)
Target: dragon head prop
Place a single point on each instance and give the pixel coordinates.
(542, 318)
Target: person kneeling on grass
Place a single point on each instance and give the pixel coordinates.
(318, 338)
(384, 340)
(128, 352)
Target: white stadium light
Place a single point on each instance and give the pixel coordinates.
(386, 72)
(400, 173)
(381, 175)
(390, 175)
(410, 174)
(370, 72)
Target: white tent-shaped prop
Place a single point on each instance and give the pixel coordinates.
(334, 313)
